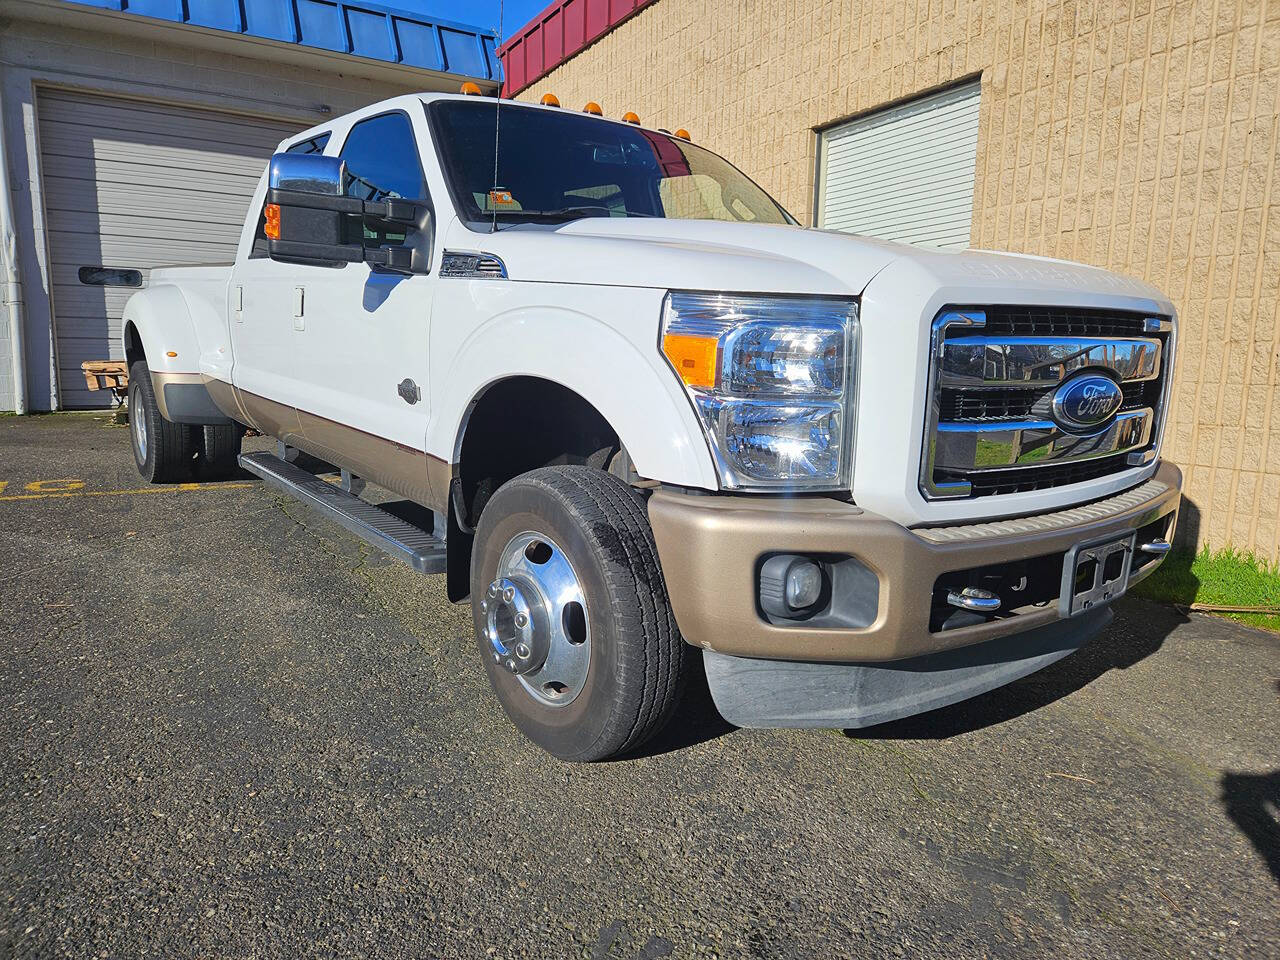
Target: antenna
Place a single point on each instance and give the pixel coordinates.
(497, 109)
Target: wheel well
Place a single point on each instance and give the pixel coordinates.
(133, 351)
(521, 424)
(515, 426)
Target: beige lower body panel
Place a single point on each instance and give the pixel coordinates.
(411, 473)
(711, 547)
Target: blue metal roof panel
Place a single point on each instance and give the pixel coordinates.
(373, 31)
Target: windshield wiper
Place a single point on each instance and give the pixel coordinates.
(565, 214)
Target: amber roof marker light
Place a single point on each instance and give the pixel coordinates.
(472, 89)
(630, 117)
(593, 108)
(683, 134)
(550, 100)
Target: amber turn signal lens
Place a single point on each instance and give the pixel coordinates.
(593, 108)
(271, 221)
(630, 117)
(550, 100)
(471, 89)
(693, 357)
(683, 134)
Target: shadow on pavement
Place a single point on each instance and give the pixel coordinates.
(1138, 631)
(1252, 801)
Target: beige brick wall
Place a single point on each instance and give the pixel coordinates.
(1140, 136)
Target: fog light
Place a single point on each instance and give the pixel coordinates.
(790, 586)
(804, 585)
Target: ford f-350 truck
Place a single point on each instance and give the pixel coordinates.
(653, 418)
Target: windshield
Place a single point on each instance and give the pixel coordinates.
(554, 167)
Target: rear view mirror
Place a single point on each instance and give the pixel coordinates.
(309, 219)
(308, 173)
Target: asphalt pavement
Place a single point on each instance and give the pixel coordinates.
(228, 729)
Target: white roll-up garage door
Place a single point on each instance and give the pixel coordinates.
(904, 173)
(135, 184)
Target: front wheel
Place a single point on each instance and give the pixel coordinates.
(162, 450)
(571, 613)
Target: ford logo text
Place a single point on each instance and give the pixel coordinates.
(1086, 403)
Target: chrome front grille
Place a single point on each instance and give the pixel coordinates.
(1003, 384)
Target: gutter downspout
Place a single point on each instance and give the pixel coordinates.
(12, 279)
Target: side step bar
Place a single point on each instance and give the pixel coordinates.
(399, 538)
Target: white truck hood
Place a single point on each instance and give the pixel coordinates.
(684, 255)
(766, 258)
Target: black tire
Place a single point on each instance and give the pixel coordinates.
(637, 666)
(164, 451)
(219, 450)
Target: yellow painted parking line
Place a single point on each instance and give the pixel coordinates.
(176, 488)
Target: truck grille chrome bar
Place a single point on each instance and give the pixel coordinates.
(1025, 398)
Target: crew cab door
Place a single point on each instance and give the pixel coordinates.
(339, 351)
(361, 334)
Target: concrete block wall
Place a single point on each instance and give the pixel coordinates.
(1137, 136)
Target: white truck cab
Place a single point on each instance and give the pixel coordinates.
(654, 417)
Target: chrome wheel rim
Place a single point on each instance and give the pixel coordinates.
(139, 431)
(535, 616)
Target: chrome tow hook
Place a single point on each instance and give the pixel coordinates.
(1157, 548)
(975, 599)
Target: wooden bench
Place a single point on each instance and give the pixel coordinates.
(110, 375)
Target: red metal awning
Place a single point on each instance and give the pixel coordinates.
(556, 34)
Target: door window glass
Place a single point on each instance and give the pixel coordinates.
(382, 160)
(314, 144)
(382, 163)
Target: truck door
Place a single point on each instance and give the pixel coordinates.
(261, 302)
(360, 333)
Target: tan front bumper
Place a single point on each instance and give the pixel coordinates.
(711, 548)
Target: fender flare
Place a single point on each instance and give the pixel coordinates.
(161, 320)
(639, 398)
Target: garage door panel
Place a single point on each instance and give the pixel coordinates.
(147, 177)
(72, 138)
(906, 172)
(173, 201)
(183, 158)
(136, 185)
(141, 121)
(80, 249)
(78, 301)
(142, 227)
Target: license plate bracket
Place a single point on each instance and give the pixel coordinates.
(1095, 572)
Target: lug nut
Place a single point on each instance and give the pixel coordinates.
(509, 594)
(484, 606)
(522, 651)
(521, 620)
(493, 589)
(511, 665)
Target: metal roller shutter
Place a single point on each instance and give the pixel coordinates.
(904, 173)
(136, 184)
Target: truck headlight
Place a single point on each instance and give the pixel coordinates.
(772, 380)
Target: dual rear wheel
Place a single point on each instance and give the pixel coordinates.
(168, 452)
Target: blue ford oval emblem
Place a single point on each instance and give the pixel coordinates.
(1086, 402)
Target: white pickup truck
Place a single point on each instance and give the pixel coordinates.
(649, 417)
